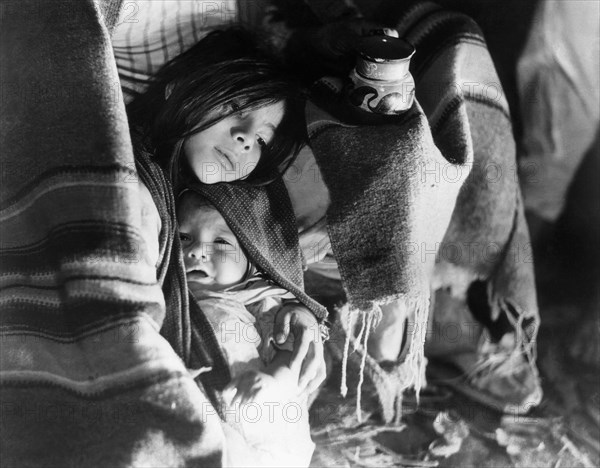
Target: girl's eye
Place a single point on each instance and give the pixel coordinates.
(261, 141)
(184, 237)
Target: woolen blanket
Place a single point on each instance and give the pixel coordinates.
(86, 378)
(460, 92)
(488, 239)
(386, 208)
(393, 224)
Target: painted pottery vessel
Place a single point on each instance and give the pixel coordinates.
(381, 82)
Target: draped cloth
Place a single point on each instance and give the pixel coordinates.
(104, 361)
(487, 241)
(388, 214)
(426, 200)
(87, 380)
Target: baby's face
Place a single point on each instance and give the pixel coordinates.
(211, 253)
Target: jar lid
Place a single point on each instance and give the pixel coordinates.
(384, 49)
(383, 58)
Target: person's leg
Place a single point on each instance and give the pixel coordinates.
(323, 282)
(386, 339)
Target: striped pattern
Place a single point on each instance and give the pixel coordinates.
(463, 103)
(86, 379)
(459, 89)
(381, 214)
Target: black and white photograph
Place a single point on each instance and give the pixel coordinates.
(299, 233)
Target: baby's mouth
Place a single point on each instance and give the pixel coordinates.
(200, 276)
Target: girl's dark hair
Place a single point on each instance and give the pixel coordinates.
(196, 89)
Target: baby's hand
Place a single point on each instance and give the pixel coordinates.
(307, 358)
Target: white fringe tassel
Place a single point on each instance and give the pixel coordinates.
(367, 324)
(410, 373)
(348, 332)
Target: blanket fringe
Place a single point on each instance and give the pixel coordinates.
(344, 385)
(359, 338)
(407, 374)
(500, 304)
(516, 315)
(415, 363)
(367, 323)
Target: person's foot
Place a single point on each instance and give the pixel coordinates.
(499, 377)
(500, 374)
(507, 372)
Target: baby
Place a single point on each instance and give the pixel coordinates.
(241, 303)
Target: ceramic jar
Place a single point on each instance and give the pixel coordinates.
(381, 82)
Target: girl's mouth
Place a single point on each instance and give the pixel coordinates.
(225, 157)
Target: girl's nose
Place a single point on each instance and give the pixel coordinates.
(243, 139)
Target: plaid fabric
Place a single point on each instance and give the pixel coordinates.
(86, 378)
(149, 33)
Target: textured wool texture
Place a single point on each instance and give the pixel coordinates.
(393, 197)
(185, 327)
(388, 214)
(86, 379)
(382, 196)
(459, 89)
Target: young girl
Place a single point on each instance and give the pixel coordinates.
(263, 401)
(223, 111)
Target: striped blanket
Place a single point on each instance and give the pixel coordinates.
(393, 212)
(86, 379)
(103, 359)
(459, 90)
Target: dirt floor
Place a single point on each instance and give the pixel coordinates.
(564, 431)
(449, 430)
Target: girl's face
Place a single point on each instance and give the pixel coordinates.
(230, 149)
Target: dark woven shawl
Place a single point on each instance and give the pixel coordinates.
(184, 326)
